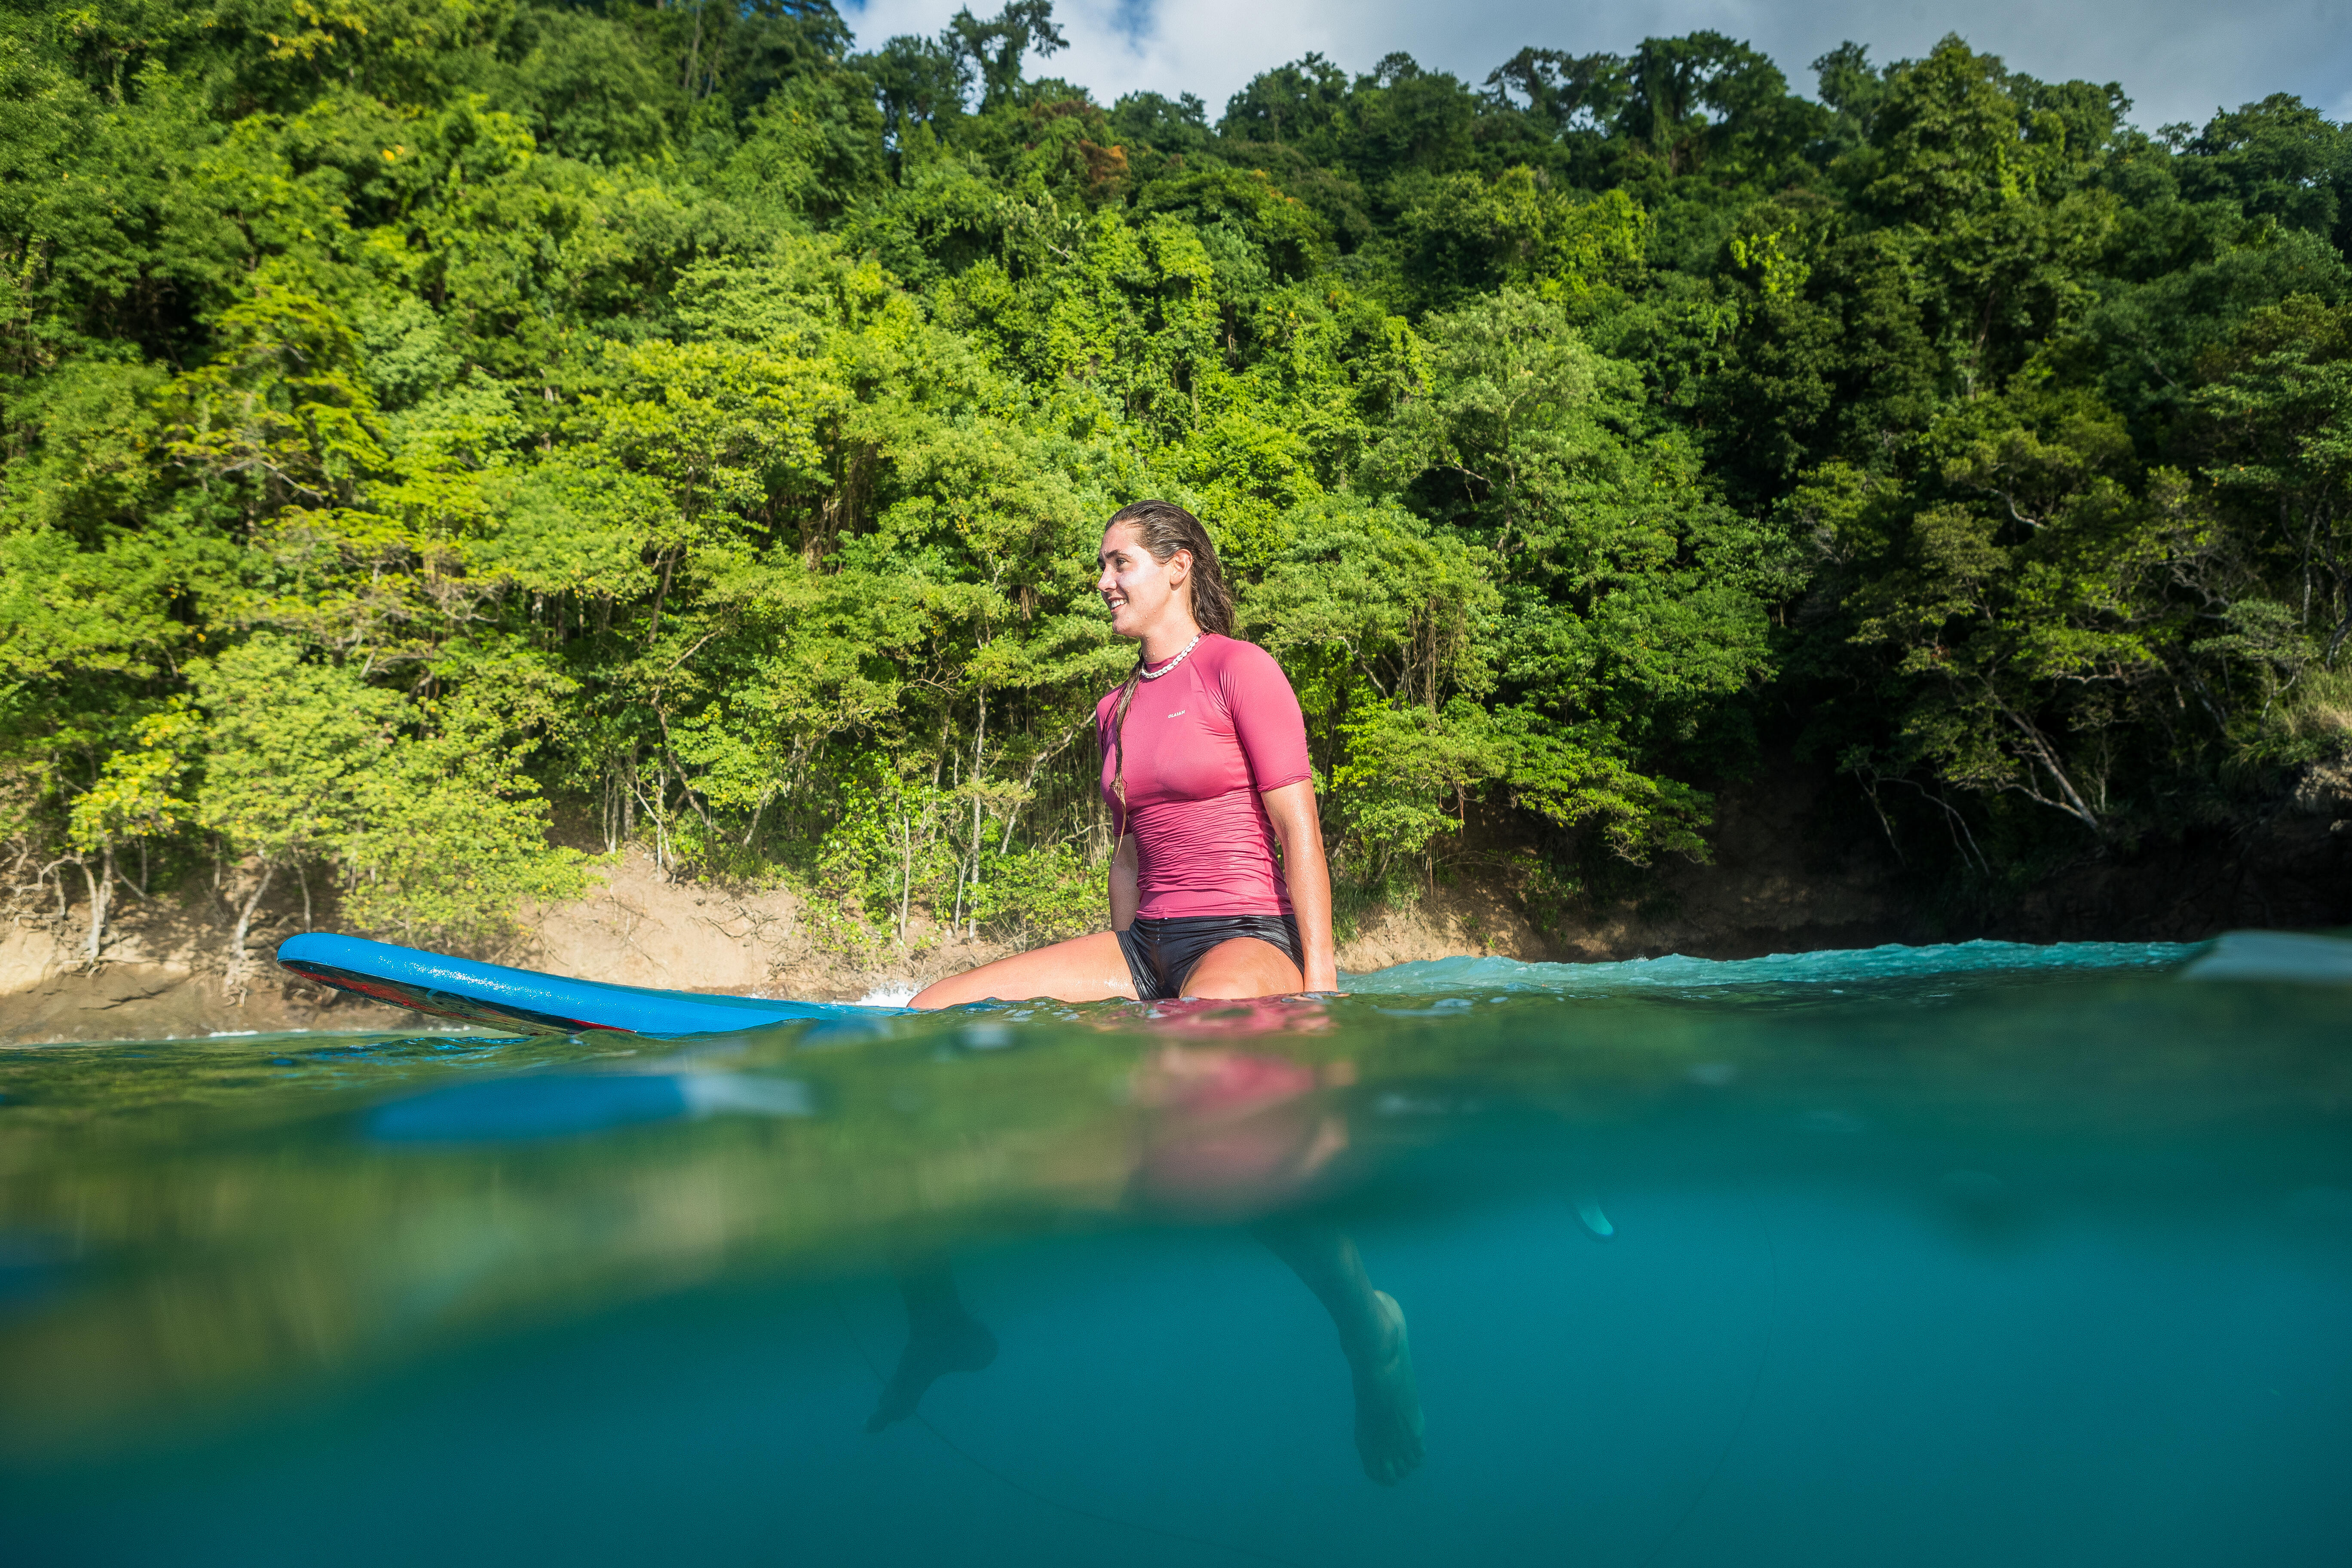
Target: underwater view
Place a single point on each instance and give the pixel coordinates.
(1957, 1255)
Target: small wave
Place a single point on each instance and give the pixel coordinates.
(1676, 973)
(2295, 957)
(887, 996)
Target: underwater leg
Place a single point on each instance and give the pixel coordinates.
(1372, 1335)
(942, 1338)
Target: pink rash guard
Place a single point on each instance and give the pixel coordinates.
(1203, 742)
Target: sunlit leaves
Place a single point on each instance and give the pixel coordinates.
(284, 405)
(137, 791)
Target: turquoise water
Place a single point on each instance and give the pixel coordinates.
(1956, 1254)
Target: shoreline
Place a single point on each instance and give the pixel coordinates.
(1777, 883)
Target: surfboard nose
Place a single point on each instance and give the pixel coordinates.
(496, 997)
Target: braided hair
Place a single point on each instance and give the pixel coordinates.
(1164, 528)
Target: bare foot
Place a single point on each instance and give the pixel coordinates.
(1388, 1401)
(937, 1344)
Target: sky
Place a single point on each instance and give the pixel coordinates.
(2177, 59)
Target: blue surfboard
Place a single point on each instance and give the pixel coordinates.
(492, 996)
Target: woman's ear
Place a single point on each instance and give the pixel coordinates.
(1180, 568)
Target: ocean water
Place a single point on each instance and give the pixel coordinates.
(1939, 1255)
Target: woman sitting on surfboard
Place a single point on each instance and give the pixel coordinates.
(1204, 767)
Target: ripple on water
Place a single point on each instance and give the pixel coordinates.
(1675, 973)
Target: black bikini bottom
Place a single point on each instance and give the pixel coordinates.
(1161, 954)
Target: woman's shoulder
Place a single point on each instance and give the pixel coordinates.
(1233, 659)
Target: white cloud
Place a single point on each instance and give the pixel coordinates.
(2178, 59)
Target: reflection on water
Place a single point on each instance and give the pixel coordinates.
(1227, 1134)
(1946, 1255)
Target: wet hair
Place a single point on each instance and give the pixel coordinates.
(1164, 528)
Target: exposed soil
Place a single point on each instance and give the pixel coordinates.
(162, 975)
(1798, 866)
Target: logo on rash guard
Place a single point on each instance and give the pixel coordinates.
(1178, 714)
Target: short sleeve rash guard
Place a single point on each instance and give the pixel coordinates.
(1203, 742)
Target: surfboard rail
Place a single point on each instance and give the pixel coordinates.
(495, 996)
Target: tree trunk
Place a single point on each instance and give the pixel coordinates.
(955, 782)
(99, 887)
(905, 869)
(669, 564)
(235, 975)
(978, 739)
(2074, 806)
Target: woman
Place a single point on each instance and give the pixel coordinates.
(1204, 767)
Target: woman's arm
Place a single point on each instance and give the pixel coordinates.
(1124, 898)
(1299, 826)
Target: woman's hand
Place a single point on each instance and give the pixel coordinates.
(1299, 826)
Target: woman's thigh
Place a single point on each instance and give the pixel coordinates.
(1245, 966)
(1087, 968)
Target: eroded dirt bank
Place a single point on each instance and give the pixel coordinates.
(1789, 874)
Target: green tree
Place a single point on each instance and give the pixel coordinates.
(288, 748)
(660, 417)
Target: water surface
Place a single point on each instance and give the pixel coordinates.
(1934, 1256)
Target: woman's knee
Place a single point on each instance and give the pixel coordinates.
(1243, 966)
(942, 993)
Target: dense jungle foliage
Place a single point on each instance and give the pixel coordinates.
(441, 432)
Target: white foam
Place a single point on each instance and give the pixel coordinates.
(887, 996)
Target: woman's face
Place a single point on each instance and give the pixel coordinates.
(1140, 589)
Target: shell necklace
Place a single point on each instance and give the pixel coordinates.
(1170, 667)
